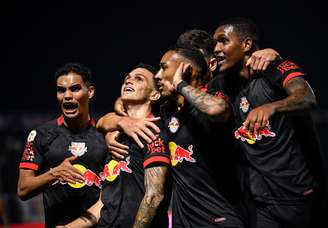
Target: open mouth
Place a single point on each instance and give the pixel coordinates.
(220, 59)
(70, 107)
(128, 89)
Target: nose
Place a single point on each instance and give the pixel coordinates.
(218, 48)
(158, 75)
(68, 95)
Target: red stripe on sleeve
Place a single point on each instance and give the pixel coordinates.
(156, 159)
(27, 165)
(290, 76)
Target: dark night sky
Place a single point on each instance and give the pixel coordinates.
(36, 38)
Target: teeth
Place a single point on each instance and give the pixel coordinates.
(129, 89)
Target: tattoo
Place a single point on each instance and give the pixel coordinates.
(204, 102)
(300, 97)
(154, 185)
(87, 216)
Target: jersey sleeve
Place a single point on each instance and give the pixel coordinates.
(157, 151)
(31, 157)
(281, 71)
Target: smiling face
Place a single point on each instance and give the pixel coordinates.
(73, 95)
(139, 87)
(229, 49)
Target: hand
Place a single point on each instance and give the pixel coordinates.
(67, 173)
(116, 149)
(119, 107)
(182, 72)
(258, 118)
(260, 60)
(136, 128)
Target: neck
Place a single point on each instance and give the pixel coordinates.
(244, 71)
(138, 110)
(76, 124)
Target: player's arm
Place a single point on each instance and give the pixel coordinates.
(154, 181)
(300, 98)
(260, 60)
(215, 107)
(88, 218)
(133, 127)
(30, 184)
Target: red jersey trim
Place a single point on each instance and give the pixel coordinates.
(60, 121)
(290, 76)
(156, 159)
(27, 165)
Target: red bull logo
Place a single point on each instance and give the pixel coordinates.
(244, 135)
(113, 169)
(89, 176)
(178, 154)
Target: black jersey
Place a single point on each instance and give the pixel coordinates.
(46, 147)
(198, 180)
(124, 183)
(276, 169)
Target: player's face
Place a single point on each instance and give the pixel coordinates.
(138, 86)
(168, 66)
(73, 95)
(228, 49)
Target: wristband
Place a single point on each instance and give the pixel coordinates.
(181, 85)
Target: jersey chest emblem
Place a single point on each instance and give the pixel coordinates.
(78, 148)
(113, 169)
(244, 104)
(178, 154)
(174, 125)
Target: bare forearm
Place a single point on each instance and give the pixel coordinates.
(89, 218)
(211, 105)
(154, 185)
(29, 186)
(301, 97)
(147, 210)
(109, 122)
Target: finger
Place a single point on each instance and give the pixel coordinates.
(256, 127)
(117, 155)
(265, 66)
(152, 119)
(141, 134)
(123, 152)
(149, 133)
(153, 126)
(250, 61)
(246, 123)
(136, 139)
(256, 63)
(116, 144)
(261, 64)
(186, 67)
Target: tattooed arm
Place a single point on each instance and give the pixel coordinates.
(215, 107)
(154, 185)
(300, 98)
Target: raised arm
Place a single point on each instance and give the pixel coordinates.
(214, 106)
(154, 185)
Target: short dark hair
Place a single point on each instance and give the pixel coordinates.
(199, 39)
(244, 27)
(147, 67)
(195, 56)
(76, 68)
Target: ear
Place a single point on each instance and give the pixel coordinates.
(213, 63)
(247, 44)
(154, 96)
(91, 91)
